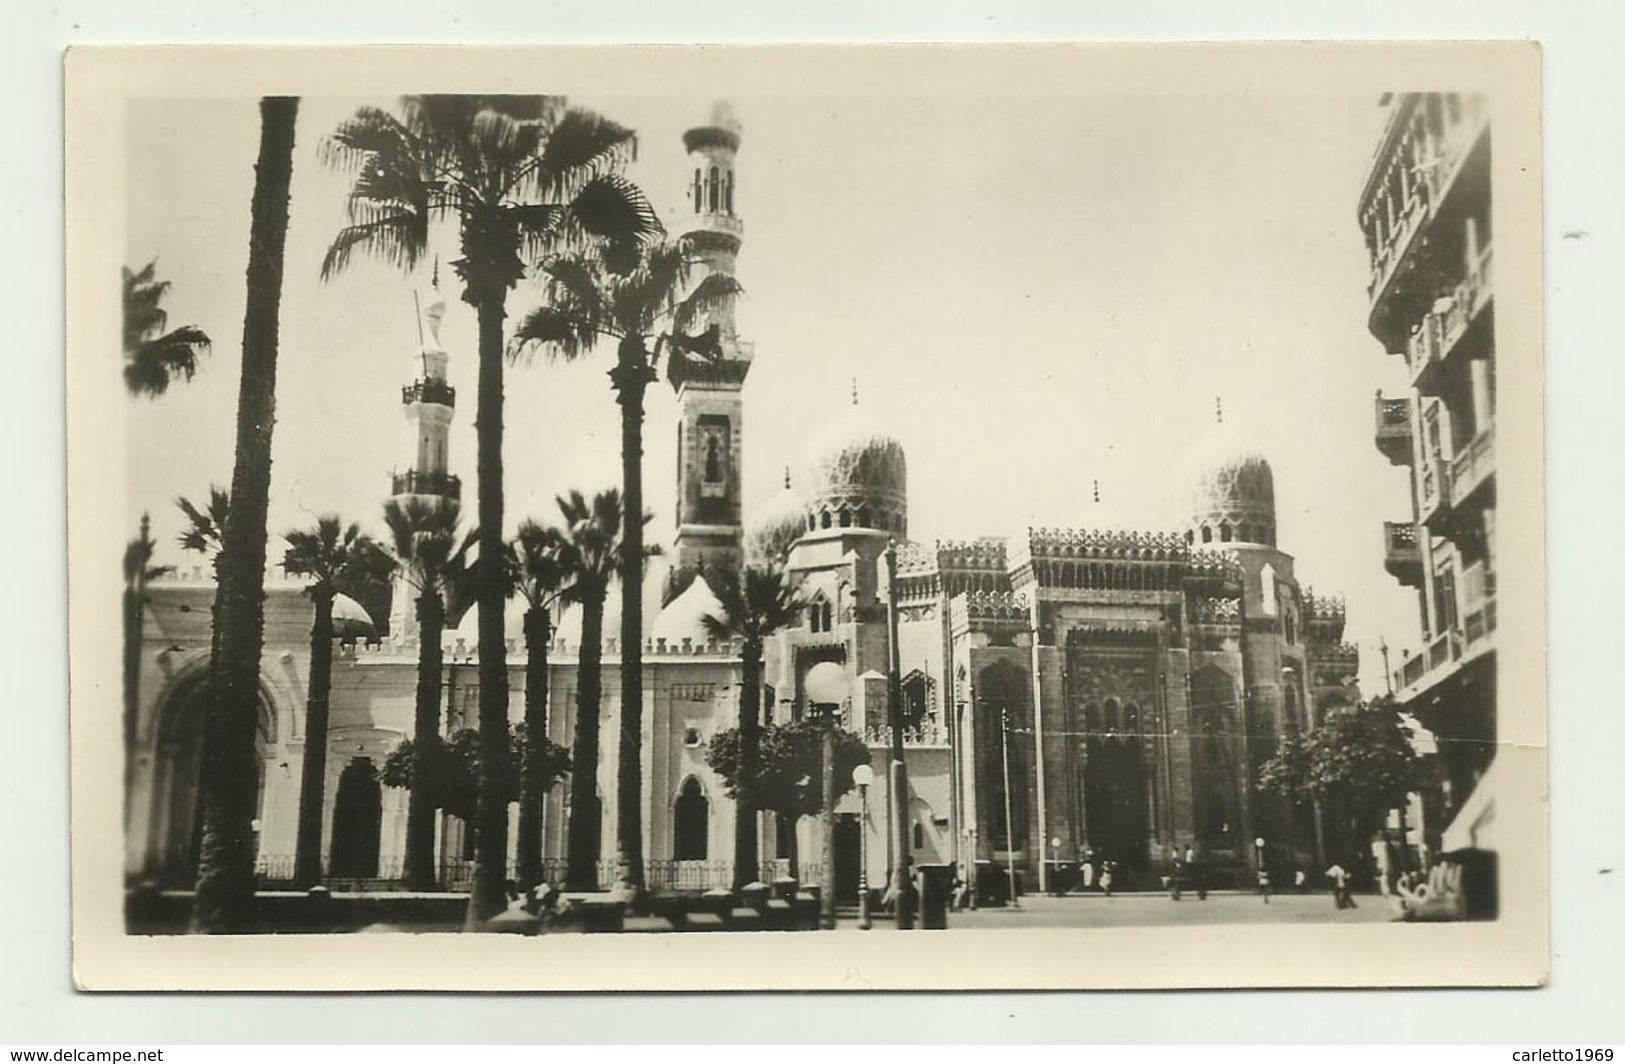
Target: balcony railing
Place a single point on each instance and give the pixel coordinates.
(1402, 554)
(412, 482)
(714, 222)
(1451, 649)
(1394, 429)
(1433, 489)
(429, 390)
(1473, 468)
(1439, 333)
(927, 733)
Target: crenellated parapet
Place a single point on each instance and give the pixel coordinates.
(1097, 560)
(988, 612)
(1324, 616)
(1212, 569)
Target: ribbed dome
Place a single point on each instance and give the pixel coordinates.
(856, 475)
(775, 526)
(683, 617)
(1232, 490)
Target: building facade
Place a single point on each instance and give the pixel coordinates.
(1426, 213)
(1066, 693)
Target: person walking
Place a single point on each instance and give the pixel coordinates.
(1264, 883)
(1106, 868)
(1089, 870)
(1339, 878)
(1176, 878)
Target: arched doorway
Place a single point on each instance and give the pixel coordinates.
(358, 817)
(1115, 784)
(692, 827)
(175, 833)
(1215, 755)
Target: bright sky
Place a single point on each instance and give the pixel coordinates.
(1039, 293)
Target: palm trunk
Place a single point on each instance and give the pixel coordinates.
(307, 861)
(133, 596)
(746, 856)
(631, 376)
(793, 859)
(581, 869)
(418, 867)
(532, 784)
(489, 895)
(225, 884)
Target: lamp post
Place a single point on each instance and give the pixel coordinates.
(863, 775)
(826, 687)
(1055, 857)
(1009, 821)
(903, 895)
(1258, 866)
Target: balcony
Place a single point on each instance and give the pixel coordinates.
(429, 390)
(1433, 492)
(412, 482)
(1402, 555)
(1449, 652)
(714, 222)
(1472, 472)
(1394, 429)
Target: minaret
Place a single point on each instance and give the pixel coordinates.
(428, 403)
(711, 413)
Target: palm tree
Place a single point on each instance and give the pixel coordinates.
(339, 560)
(589, 550)
(154, 354)
(752, 609)
(225, 885)
(541, 576)
(205, 534)
(428, 550)
(138, 570)
(520, 175)
(595, 295)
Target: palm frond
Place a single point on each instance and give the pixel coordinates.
(553, 332)
(612, 208)
(580, 146)
(399, 239)
(715, 293)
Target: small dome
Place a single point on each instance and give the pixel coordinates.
(775, 526)
(351, 620)
(1231, 490)
(856, 475)
(468, 625)
(684, 617)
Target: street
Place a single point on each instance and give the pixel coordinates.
(1158, 910)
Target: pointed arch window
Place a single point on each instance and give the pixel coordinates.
(1207, 534)
(713, 191)
(691, 823)
(728, 194)
(699, 191)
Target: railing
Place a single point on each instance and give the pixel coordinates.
(1472, 467)
(1394, 248)
(929, 733)
(1393, 414)
(1425, 346)
(1401, 537)
(1433, 489)
(429, 390)
(412, 482)
(714, 222)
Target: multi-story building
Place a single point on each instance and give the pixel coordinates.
(1426, 213)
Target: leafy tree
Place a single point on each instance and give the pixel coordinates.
(752, 609)
(339, 561)
(520, 176)
(535, 558)
(154, 354)
(225, 885)
(1357, 764)
(452, 768)
(790, 778)
(638, 302)
(435, 562)
(138, 571)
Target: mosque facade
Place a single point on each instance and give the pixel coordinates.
(1066, 693)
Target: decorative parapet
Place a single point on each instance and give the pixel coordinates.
(983, 610)
(926, 733)
(1215, 565)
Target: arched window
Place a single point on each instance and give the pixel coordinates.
(691, 828)
(823, 519)
(829, 616)
(1224, 532)
(919, 835)
(1111, 721)
(714, 190)
(846, 518)
(699, 191)
(728, 194)
(1190, 537)
(1207, 534)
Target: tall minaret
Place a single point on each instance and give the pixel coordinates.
(428, 403)
(711, 413)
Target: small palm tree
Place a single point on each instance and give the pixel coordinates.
(540, 575)
(154, 354)
(752, 609)
(205, 534)
(435, 562)
(138, 570)
(340, 561)
(598, 295)
(589, 551)
(520, 175)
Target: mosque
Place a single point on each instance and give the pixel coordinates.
(1066, 692)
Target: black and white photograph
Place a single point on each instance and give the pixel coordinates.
(1024, 517)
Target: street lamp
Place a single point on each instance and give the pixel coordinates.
(1055, 876)
(863, 775)
(826, 688)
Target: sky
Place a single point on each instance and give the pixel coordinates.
(1037, 293)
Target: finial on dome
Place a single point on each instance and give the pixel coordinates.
(1218, 409)
(1097, 491)
(786, 476)
(854, 391)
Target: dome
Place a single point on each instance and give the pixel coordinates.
(775, 526)
(1231, 490)
(855, 474)
(684, 617)
(468, 626)
(351, 620)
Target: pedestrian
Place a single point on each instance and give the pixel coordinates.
(1106, 868)
(1089, 870)
(1264, 883)
(1198, 872)
(1300, 880)
(1339, 878)
(1176, 879)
